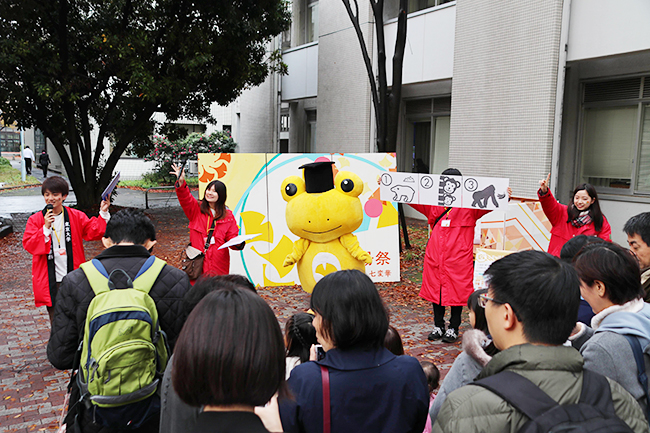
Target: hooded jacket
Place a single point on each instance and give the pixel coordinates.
(607, 351)
(448, 271)
(464, 369)
(562, 231)
(557, 370)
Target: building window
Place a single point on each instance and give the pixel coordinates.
(311, 24)
(615, 152)
(39, 141)
(227, 129)
(418, 5)
(284, 123)
(10, 139)
(427, 135)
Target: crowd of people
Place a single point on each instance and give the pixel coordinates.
(552, 330)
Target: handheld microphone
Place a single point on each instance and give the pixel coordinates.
(49, 207)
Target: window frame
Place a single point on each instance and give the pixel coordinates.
(639, 102)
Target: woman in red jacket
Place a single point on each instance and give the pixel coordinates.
(211, 223)
(448, 270)
(583, 217)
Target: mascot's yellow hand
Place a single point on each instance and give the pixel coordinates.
(366, 258)
(289, 260)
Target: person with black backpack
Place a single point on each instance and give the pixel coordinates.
(536, 384)
(116, 321)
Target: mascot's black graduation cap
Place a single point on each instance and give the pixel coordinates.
(319, 176)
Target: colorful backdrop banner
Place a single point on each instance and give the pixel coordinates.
(254, 184)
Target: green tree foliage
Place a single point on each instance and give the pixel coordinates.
(167, 152)
(83, 71)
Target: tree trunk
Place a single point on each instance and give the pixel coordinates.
(386, 103)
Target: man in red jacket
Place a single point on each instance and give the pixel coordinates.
(55, 238)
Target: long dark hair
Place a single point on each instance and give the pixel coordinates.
(480, 322)
(300, 334)
(594, 209)
(220, 205)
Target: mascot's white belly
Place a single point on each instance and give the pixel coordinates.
(321, 259)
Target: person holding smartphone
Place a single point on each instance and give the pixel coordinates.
(55, 238)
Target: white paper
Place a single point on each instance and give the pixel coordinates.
(485, 192)
(472, 192)
(238, 240)
(399, 187)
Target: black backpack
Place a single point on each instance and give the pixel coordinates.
(594, 412)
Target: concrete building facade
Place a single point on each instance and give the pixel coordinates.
(516, 88)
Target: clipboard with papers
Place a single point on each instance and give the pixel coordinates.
(111, 186)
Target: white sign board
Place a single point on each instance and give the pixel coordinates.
(439, 190)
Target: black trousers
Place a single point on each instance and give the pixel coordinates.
(44, 167)
(28, 165)
(439, 316)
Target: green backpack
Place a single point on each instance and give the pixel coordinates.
(124, 352)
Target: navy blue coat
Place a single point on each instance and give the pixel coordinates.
(370, 391)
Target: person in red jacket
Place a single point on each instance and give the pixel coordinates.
(583, 217)
(211, 223)
(448, 271)
(55, 238)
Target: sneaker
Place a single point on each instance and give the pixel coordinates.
(436, 334)
(450, 336)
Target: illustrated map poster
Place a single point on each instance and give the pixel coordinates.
(439, 190)
(254, 196)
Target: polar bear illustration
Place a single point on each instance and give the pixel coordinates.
(403, 193)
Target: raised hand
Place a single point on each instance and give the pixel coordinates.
(104, 205)
(179, 172)
(543, 184)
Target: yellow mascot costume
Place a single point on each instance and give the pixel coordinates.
(323, 212)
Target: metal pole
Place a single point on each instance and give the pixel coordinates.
(23, 169)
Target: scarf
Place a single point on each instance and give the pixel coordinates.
(582, 220)
(51, 271)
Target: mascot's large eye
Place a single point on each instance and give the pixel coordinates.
(291, 189)
(347, 185)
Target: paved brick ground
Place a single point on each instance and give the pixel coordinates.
(32, 391)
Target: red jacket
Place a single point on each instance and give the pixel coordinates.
(562, 230)
(81, 228)
(216, 262)
(448, 274)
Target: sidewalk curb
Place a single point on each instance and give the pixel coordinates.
(9, 188)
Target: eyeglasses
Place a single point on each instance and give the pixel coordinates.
(483, 300)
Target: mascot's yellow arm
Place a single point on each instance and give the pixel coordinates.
(350, 242)
(299, 248)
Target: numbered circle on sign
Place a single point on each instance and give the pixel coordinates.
(386, 179)
(426, 182)
(471, 184)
